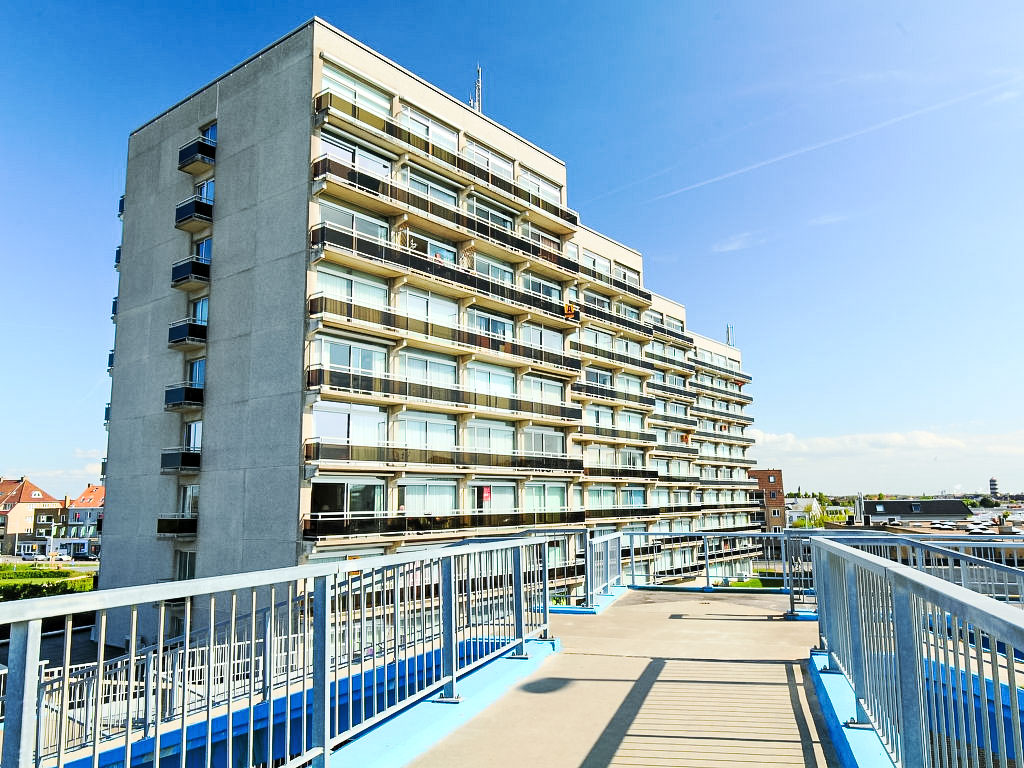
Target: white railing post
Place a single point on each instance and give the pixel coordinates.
(707, 563)
(22, 692)
(632, 561)
(449, 648)
(607, 567)
(519, 651)
(588, 571)
(546, 590)
(856, 660)
(321, 682)
(913, 741)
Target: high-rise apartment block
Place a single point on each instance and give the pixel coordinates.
(356, 313)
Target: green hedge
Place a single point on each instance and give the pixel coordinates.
(21, 590)
(28, 572)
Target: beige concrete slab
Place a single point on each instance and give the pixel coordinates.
(659, 679)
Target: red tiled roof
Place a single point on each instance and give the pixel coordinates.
(22, 491)
(91, 498)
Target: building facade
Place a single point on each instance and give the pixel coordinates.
(770, 498)
(20, 500)
(355, 314)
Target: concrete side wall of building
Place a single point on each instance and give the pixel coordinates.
(251, 436)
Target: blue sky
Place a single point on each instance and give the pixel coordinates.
(842, 184)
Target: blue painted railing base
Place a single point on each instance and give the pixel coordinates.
(600, 603)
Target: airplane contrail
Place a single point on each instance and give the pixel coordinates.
(838, 139)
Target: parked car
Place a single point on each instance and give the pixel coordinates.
(35, 557)
(85, 557)
(60, 557)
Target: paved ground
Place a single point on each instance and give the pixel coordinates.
(659, 679)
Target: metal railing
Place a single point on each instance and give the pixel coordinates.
(300, 659)
(934, 665)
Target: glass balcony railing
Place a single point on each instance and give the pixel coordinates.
(725, 437)
(120, 207)
(187, 334)
(197, 156)
(325, 449)
(639, 473)
(616, 433)
(181, 460)
(622, 285)
(113, 308)
(386, 384)
(339, 238)
(732, 394)
(614, 318)
(183, 397)
(587, 389)
(190, 274)
(669, 418)
(117, 257)
(607, 354)
(390, 317)
(325, 524)
(177, 526)
(669, 389)
(110, 360)
(679, 449)
(193, 213)
(721, 369)
(672, 333)
(720, 414)
(106, 413)
(330, 167)
(327, 100)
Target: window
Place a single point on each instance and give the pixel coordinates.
(628, 383)
(596, 300)
(355, 91)
(418, 429)
(631, 420)
(428, 187)
(37, 495)
(598, 415)
(429, 306)
(544, 239)
(601, 496)
(184, 565)
(210, 133)
(350, 422)
(915, 507)
(493, 496)
(355, 156)
(200, 309)
(360, 223)
(572, 251)
(428, 367)
(544, 440)
(653, 317)
(599, 376)
(772, 495)
(428, 128)
(365, 495)
(599, 264)
(633, 496)
(544, 287)
(492, 379)
(188, 501)
(357, 356)
(349, 285)
(196, 375)
(595, 338)
(204, 190)
(192, 435)
(540, 186)
(544, 496)
(542, 390)
(625, 310)
(488, 159)
(494, 269)
(490, 212)
(203, 250)
(490, 436)
(595, 455)
(491, 323)
(539, 336)
(432, 247)
(627, 347)
(771, 479)
(631, 457)
(627, 275)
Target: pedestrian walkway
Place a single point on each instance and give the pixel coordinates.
(659, 679)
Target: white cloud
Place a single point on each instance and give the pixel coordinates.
(738, 242)
(917, 461)
(1011, 95)
(826, 219)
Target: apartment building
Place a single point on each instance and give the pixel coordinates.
(355, 314)
(770, 498)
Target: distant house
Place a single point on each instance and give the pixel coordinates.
(798, 508)
(19, 500)
(912, 509)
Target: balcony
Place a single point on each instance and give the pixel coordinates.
(726, 460)
(326, 100)
(721, 369)
(180, 461)
(110, 361)
(402, 260)
(587, 391)
(672, 363)
(187, 334)
(500, 348)
(338, 177)
(183, 397)
(737, 483)
(120, 207)
(725, 437)
(117, 257)
(606, 355)
(672, 334)
(679, 449)
(193, 214)
(681, 479)
(633, 473)
(103, 468)
(715, 413)
(177, 527)
(321, 450)
(197, 156)
(668, 418)
(321, 525)
(614, 433)
(660, 388)
(639, 510)
(106, 415)
(616, 320)
(453, 398)
(720, 392)
(113, 309)
(190, 274)
(621, 285)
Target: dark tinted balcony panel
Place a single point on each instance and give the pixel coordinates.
(197, 156)
(729, 483)
(666, 418)
(331, 166)
(179, 460)
(669, 362)
(194, 214)
(726, 437)
(719, 392)
(658, 388)
(634, 472)
(721, 369)
(318, 526)
(113, 307)
(186, 335)
(723, 415)
(619, 434)
(327, 100)
(183, 397)
(588, 310)
(190, 274)
(690, 479)
(629, 511)
(103, 468)
(117, 257)
(596, 390)
(393, 454)
(325, 304)
(110, 360)
(120, 207)
(622, 285)
(673, 334)
(106, 413)
(347, 380)
(616, 357)
(177, 526)
(676, 448)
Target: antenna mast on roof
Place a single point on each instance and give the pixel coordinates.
(476, 101)
(729, 335)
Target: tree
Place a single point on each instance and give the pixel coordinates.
(988, 502)
(970, 503)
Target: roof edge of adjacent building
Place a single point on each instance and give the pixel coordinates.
(327, 25)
